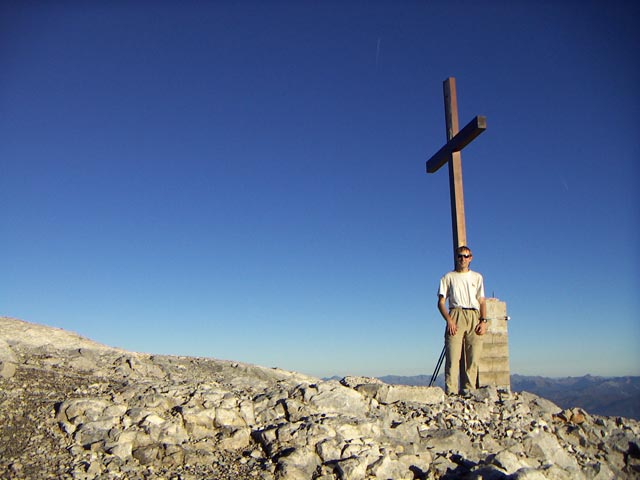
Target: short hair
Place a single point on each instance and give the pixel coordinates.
(462, 248)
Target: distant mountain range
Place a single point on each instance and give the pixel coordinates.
(609, 396)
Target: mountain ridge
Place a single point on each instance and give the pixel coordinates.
(608, 396)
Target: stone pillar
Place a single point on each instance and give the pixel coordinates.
(494, 364)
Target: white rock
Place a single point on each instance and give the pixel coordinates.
(352, 429)
(385, 468)
(352, 468)
(388, 394)
(403, 432)
(226, 417)
(421, 460)
(300, 463)
(87, 409)
(528, 474)
(152, 420)
(331, 397)
(241, 438)
(545, 447)
(193, 416)
(353, 381)
(447, 440)
(508, 462)
(8, 360)
(328, 450)
(121, 450)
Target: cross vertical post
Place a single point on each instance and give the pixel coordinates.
(456, 191)
(450, 153)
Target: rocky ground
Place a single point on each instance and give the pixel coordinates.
(74, 409)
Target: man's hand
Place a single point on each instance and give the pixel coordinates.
(452, 328)
(481, 329)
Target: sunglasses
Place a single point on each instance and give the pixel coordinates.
(462, 255)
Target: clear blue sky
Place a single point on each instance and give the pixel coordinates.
(245, 180)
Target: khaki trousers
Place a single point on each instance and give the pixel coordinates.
(466, 341)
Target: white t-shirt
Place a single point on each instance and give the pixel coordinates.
(462, 289)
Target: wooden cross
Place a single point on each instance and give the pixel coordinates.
(450, 153)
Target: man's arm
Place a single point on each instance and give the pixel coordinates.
(452, 328)
(481, 329)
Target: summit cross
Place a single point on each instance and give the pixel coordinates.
(450, 153)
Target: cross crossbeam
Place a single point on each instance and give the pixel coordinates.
(463, 138)
(450, 154)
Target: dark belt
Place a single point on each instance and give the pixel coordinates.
(464, 308)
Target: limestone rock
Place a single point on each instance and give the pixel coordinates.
(402, 393)
(8, 360)
(75, 409)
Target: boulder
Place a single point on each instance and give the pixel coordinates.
(8, 360)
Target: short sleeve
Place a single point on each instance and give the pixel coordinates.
(443, 288)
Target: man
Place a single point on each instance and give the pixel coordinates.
(466, 322)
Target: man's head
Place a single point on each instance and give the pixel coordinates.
(463, 258)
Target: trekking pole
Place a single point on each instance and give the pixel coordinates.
(438, 365)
